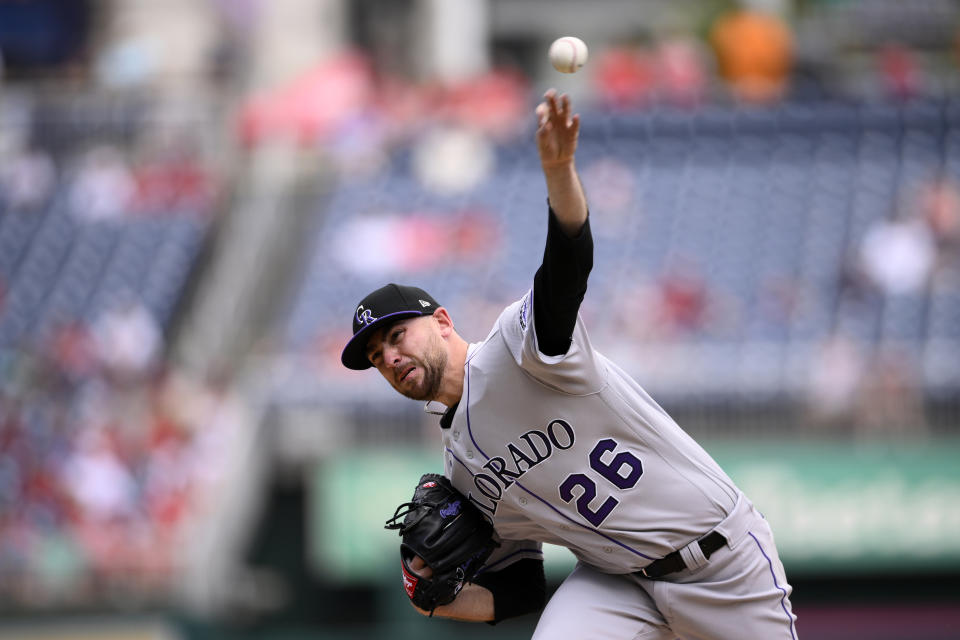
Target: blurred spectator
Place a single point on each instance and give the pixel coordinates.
(836, 372)
(754, 51)
(415, 241)
(939, 206)
(98, 480)
(312, 106)
(897, 255)
(681, 71)
(453, 160)
(683, 299)
(27, 180)
(128, 340)
(170, 179)
(900, 72)
(131, 62)
(238, 20)
(873, 390)
(624, 77)
(102, 187)
(494, 103)
(213, 431)
(891, 402)
(71, 350)
(168, 475)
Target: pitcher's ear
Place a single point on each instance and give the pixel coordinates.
(443, 319)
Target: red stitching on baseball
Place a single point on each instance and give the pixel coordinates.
(573, 45)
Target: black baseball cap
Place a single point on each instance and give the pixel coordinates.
(384, 306)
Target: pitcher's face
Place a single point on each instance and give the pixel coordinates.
(410, 354)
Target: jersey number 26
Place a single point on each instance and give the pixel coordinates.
(622, 462)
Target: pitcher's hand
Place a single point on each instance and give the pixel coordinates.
(557, 130)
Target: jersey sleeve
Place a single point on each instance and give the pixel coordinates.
(577, 372)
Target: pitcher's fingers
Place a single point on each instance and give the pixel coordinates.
(565, 108)
(543, 113)
(419, 566)
(575, 124)
(543, 132)
(554, 107)
(550, 101)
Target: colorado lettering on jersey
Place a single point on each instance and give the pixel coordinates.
(531, 448)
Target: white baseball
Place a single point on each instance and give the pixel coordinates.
(568, 54)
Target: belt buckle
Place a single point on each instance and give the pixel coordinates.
(644, 573)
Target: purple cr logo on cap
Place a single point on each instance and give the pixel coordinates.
(365, 316)
(392, 302)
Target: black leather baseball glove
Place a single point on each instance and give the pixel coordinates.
(448, 533)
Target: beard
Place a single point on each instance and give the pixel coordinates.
(433, 365)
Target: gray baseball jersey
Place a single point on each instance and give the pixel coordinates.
(569, 450)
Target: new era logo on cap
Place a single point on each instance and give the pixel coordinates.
(385, 305)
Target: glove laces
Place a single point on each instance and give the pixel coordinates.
(403, 511)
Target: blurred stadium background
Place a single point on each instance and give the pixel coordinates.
(195, 193)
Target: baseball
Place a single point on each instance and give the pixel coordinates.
(568, 54)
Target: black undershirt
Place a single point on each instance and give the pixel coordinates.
(559, 286)
(518, 588)
(558, 289)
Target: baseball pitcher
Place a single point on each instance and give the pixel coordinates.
(547, 440)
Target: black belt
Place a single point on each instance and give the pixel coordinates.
(673, 562)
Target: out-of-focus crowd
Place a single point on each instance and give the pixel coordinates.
(99, 479)
(105, 450)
